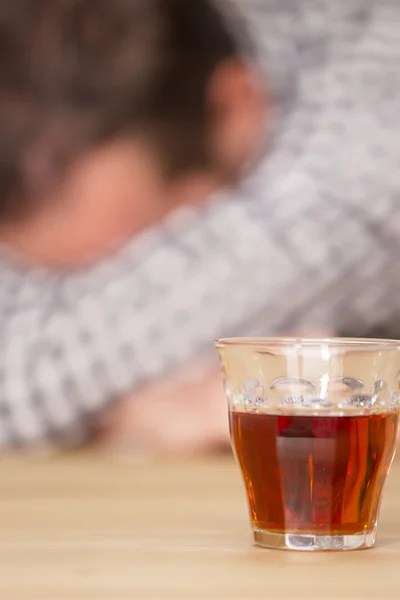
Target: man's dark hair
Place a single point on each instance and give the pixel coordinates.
(76, 73)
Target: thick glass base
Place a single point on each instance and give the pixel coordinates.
(308, 543)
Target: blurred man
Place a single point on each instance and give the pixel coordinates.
(308, 243)
(113, 113)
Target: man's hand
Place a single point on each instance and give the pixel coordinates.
(185, 413)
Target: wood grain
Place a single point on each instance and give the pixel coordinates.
(87, 527)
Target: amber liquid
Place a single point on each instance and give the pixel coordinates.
(314, 475)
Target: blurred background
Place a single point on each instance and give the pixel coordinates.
(172, 174)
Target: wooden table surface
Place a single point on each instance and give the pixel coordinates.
(88, 527)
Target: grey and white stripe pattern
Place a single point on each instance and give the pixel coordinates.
(311, 239)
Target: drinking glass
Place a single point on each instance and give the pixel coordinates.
(314, 427)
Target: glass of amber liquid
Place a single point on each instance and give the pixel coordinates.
(314, 427)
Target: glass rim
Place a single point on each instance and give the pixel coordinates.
(367, 344)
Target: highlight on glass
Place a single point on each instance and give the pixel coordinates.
(314, 426)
